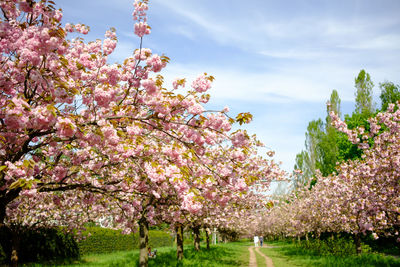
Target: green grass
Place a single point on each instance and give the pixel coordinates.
(260, 259)
(287, 254)
(230, 254)
(283, 254)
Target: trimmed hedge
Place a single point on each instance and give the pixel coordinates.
(49, 245)
(103, 240)
(158, 239)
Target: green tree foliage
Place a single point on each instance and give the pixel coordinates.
(390, 93)
(347, 150)
(328, 147)
(363, 94)
(328, 150)
(310, 159)
(324, 145)
(314, 134)
(364, 109)
(334, 105)
(321, 148)
(303, 164)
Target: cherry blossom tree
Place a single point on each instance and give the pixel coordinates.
(362, 198)
(81, 137)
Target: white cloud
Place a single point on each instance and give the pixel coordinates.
(311, 83)
(284, 57)
(214, 27)
(292, 54)
(198, 17)
(300, 37)
(381, 42)
(184, 31)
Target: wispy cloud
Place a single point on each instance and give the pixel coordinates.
(281, 86)
(381, 42)
(298, 37)
(184, 31)
(301, 54)
(200, 18)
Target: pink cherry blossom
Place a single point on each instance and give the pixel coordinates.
(201, 84)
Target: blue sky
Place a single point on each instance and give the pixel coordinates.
(278, 60)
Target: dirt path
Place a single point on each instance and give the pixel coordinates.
(253, 261)
(268, 261)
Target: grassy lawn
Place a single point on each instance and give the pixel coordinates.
(230, 254)
(286, 254)
(283, 254)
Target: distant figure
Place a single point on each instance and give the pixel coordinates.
(152, 254)
(256, 241)
(261, 241)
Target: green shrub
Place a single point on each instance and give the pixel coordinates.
(103, 240)
(337, 246)
(40, 244)
(158, 238)
(387, 245)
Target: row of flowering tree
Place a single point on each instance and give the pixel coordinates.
(361, 198)
(83, 140)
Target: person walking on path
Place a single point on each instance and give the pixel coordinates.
(261, 241)
(256, 240)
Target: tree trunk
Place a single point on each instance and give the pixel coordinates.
(2, 218)
(179, 242)
(143, 242)
(398, 246)
(14, 248)
(207, 238)
(357, 241)
(307, 236)
(2, 213)
(214, 236)
(6, 198)
(196, 239)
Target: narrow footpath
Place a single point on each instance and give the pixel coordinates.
(253, 261)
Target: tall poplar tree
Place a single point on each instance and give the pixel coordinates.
(310, 159)
(321, 147)
(334, 105)
(328, 148)
(303, 164)
(363, 94)
(390, 93)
